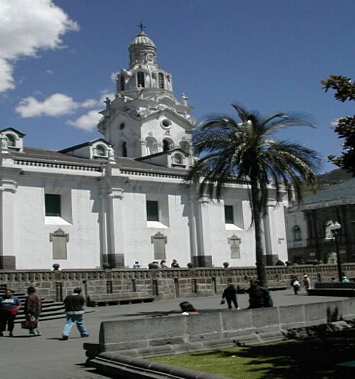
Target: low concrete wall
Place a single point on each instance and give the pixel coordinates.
(142, 336)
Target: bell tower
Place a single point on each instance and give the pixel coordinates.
(145, 117)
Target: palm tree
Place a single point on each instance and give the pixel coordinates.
(229, 150)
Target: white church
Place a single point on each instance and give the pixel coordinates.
(123, 197)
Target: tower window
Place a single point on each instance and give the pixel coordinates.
(167, 145)
(122, 82)
(152, 210)
(52, 205)
(161, 80)
(122, 125)
(229, 214)
(124, 149)
(140, 79)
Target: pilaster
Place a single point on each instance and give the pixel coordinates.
(7, 224)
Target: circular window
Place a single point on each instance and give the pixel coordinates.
(122, 125)
(166, 123)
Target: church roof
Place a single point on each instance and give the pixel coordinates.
(125, 164)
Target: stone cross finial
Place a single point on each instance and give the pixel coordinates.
(141, 26)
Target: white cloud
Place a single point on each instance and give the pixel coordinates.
(89, 103)
(55, 105)
(87, 121)
(26, 29)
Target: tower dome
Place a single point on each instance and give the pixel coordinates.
(142, 50)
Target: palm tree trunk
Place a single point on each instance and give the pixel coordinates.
(257, 218)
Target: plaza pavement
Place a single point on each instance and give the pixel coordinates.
(44, 357)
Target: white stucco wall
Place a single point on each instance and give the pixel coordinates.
(33, 247)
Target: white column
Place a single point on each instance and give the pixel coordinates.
(192, 225)
(203, 258)
(115, 227)
(102, 226)
(7, 224)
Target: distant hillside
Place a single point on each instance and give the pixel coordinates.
(334, 177)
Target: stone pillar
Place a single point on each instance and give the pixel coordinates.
(102, 227)
(203, 259)
(192, 226)
(270, 237)
(7, 224)
(115, 256)
(345, 221)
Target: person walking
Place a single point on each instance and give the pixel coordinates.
(306, 282)
(74, 309)
(9, 306)
(230, 294)
(33, 307)
(295, 284)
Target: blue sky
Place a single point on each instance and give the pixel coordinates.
(269, 56)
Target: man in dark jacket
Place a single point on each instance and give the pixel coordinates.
(9, 306)
(230, 294)
(74, 308)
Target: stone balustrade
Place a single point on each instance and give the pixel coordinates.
(167, 283)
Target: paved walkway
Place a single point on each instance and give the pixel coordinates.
(44, 357)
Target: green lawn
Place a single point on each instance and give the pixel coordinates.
(227, 363)
(312, 358)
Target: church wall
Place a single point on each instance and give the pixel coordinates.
(80, 222)
(138, 233)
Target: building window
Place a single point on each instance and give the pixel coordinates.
(11, 140)
(297, 235)
(124, 149)
(53, 205)
(152, 210)
(161, 80)
(140, 79)
(229, 214)
(122, 125)
(100, 151)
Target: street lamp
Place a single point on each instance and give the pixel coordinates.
(332, 232)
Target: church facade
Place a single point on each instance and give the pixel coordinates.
(123, 198)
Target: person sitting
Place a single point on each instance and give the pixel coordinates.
(175, 264)
(163, 264)
(136, 264)
(154, 265)
(344, 279)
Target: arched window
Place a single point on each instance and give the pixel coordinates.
(161, 80)
(152, 145)
(124, 149)
(297, 234)
(140, 79)
(100, 151)
(11, 140)
(167, 144)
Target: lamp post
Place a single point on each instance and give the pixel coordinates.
(332, 232)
